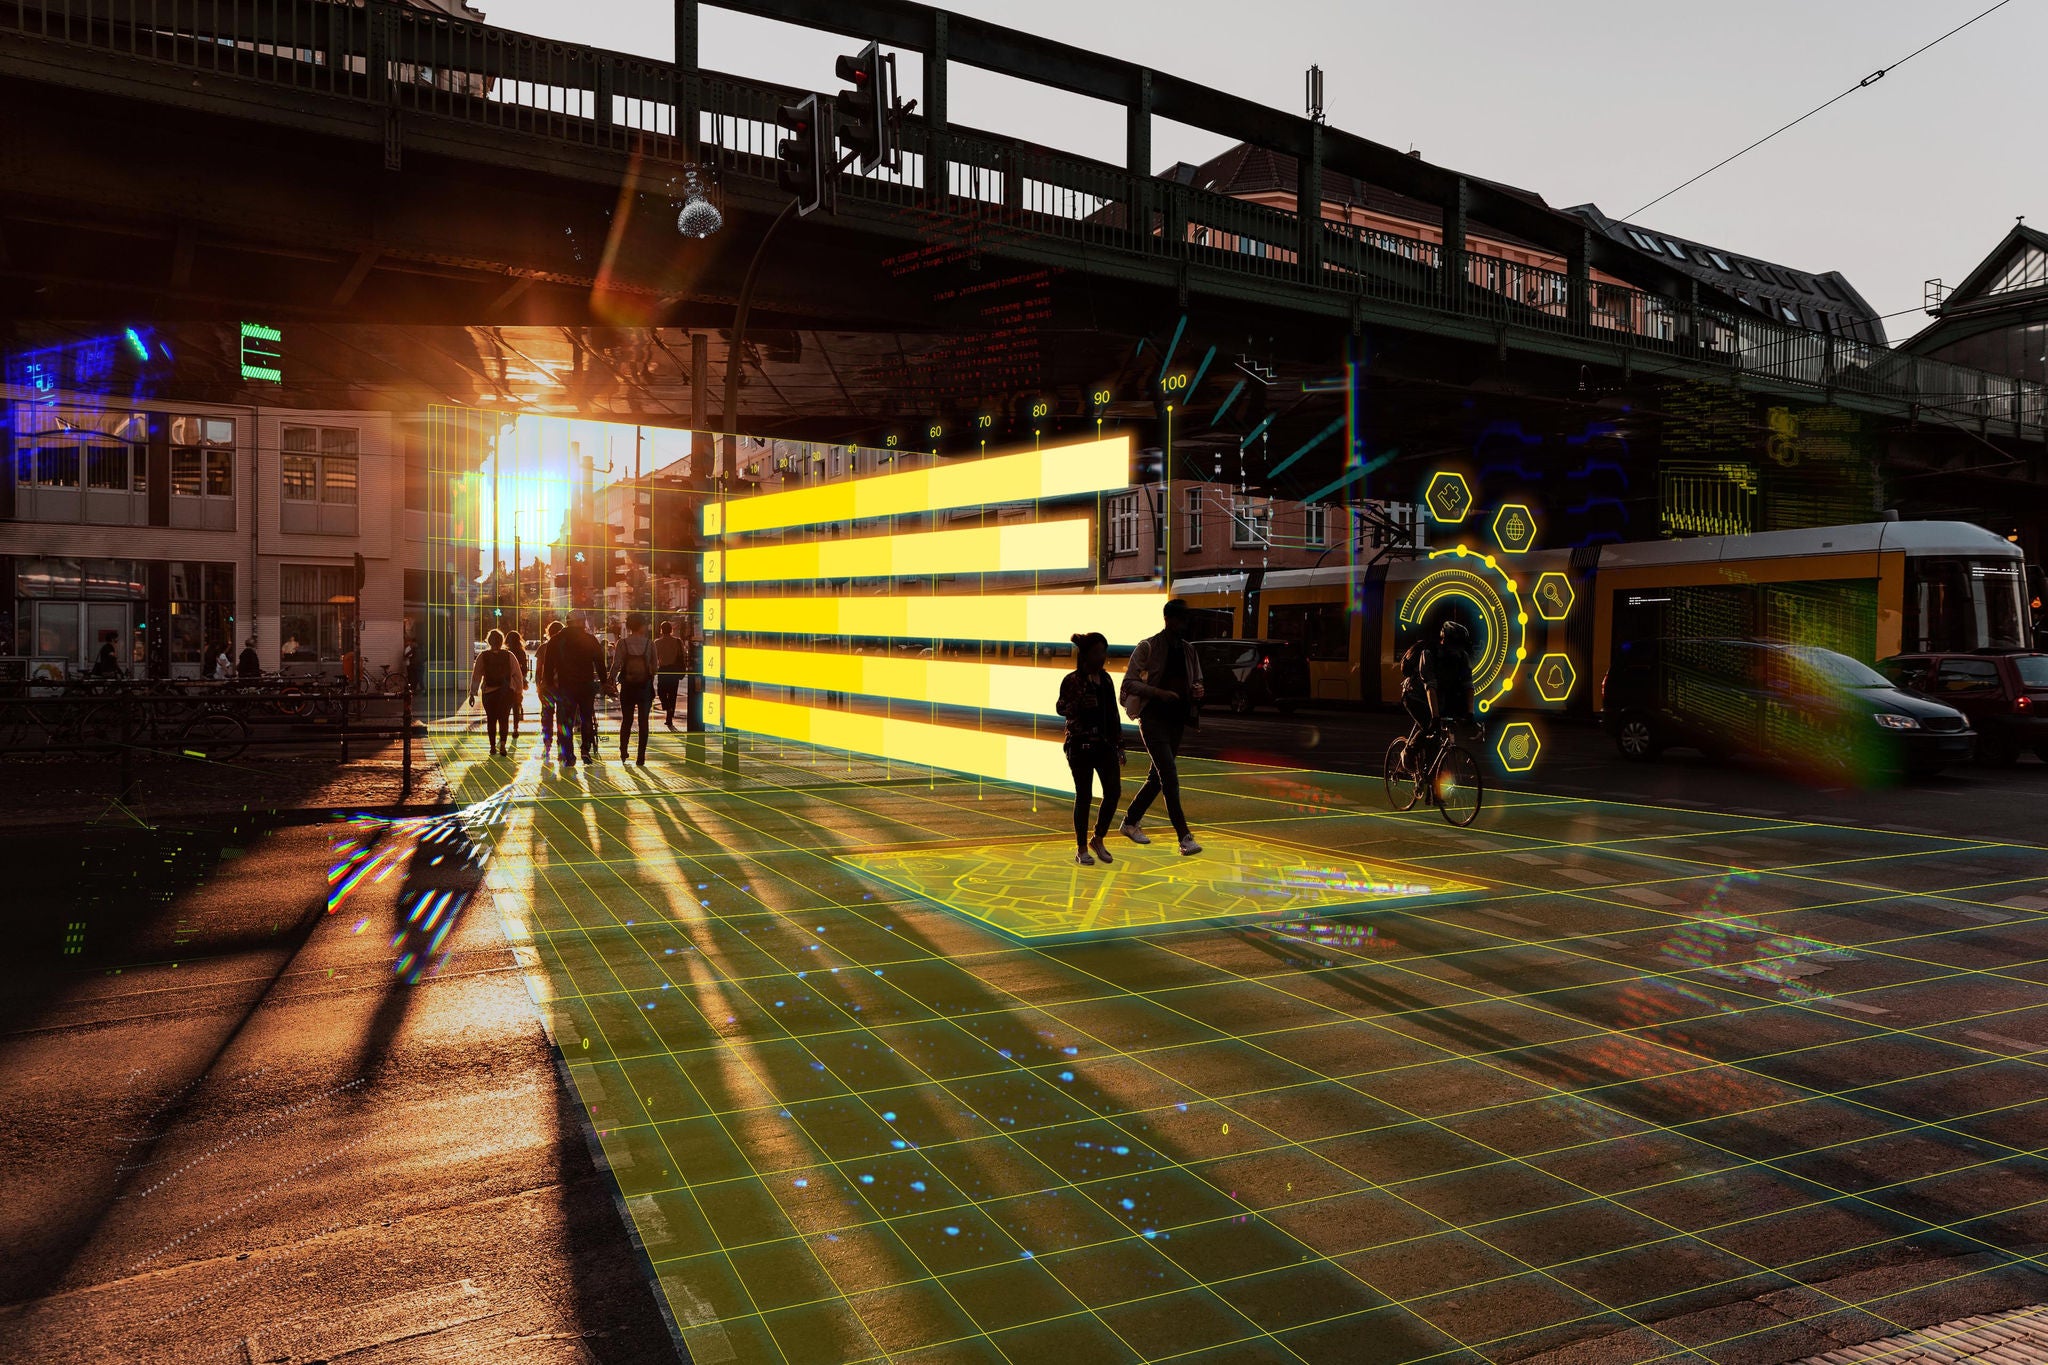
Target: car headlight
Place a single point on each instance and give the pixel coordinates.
(1892, 720)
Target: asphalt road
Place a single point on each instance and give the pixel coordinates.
(1972, 801)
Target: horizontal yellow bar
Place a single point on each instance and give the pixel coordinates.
(1047, 618)
(1019, 688)
(1057, 472)
(974, 549)
(981, 753)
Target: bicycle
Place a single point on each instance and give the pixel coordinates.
(1454, 782)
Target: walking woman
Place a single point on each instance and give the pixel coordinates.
(498, 675)
(1095, 742)
(516, 647)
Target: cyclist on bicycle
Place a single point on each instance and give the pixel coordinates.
(1444, 678)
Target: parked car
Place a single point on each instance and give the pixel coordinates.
(1247, 674)
(1792, 705)
(2004, 695)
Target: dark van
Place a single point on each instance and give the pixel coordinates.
(1791, 705)
(2004, 695)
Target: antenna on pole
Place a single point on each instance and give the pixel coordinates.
(1315, 94)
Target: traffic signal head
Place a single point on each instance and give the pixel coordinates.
(800, 156)
(864, 105)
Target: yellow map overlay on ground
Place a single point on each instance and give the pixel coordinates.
(1037, 890)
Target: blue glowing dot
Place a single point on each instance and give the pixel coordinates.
(668, 951)
(817, 1066)
(650, 1004)
(1071, 1051)
(867, 1180)
(917, 1185)
(1121, 1151)
(878, 971)
(703, 886)
(897, 1142)
(778, 1004)
(952, 1232)
(1027, 1255)
(802, 1183)
(1067, 1076)
(1004, 1053)
(1129, 1204)
(1183, 1108)
(1150, 1233)
(888, 1116)
(800, 976)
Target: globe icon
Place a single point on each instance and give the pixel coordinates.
(699, 218)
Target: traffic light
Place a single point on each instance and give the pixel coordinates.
(614, 563)
(864, 126)
(800, 157)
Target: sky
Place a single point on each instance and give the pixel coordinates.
(1605, 101)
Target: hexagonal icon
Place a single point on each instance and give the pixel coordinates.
(1555, 677)
(1448, 497)
(1517, 746)
(1554, 596)
(1514, 528)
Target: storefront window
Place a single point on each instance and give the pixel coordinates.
(202, 610)
(315, 601)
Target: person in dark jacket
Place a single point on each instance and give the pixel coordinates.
(632, 674)
(517, 646)
(576, 667)
(1094, 743)
(249, 667)
(544, 687)
(1162, 687)
(106, 664)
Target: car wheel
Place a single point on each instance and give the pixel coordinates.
(1636, 738)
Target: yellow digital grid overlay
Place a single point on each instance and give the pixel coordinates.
(1096, 466)
(1018, 688)
(1045, 545)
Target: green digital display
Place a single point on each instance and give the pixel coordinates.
(262, 353)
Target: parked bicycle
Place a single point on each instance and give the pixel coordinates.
(1447, 776)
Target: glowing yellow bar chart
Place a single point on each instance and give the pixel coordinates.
(978, 753)
(1022, 548)
(1040, 618)
(1016, 688)
(1057, 472)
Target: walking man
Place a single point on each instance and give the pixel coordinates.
(575, 672)
(668, 670)
(633, 672)
(547, 691)
(1162, 686)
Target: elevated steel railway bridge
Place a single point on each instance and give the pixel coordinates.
(365, 161)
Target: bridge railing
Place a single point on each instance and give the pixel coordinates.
(423, 64)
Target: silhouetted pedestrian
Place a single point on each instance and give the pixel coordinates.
(498, 676)
(633, 671)
(1094, 743)
(575, 673)
(1162, 685)
(668, 670)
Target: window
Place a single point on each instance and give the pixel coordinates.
(106, 468)
(1322, 629)
(57, 466)
(202, 457)
(2027, 270)
(1718, 259)
(315, 604)
(1965, 675)
(202, 610)
(1194, 518)
(1123, 524)
(1250, 524)
(1742, 269)
(1676, 249)
(319, 474)
(1315, 524)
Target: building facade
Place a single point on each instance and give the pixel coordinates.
(173, 529)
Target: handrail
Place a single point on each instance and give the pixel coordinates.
(1012, 195)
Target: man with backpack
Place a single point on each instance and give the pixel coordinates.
(575, 672)
(668, 670)
(547, 693)
(633, 672)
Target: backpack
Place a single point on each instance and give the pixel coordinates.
(668, 653)
(634, 668)
(497, 668)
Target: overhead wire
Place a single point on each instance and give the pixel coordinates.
(1872, 79)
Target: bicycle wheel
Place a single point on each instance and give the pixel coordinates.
(291, 702)
(106, 724)
(1460, 789)
(215, 736)
(1401, 789)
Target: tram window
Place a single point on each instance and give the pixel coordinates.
(1965, 606)
(1320, 628)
